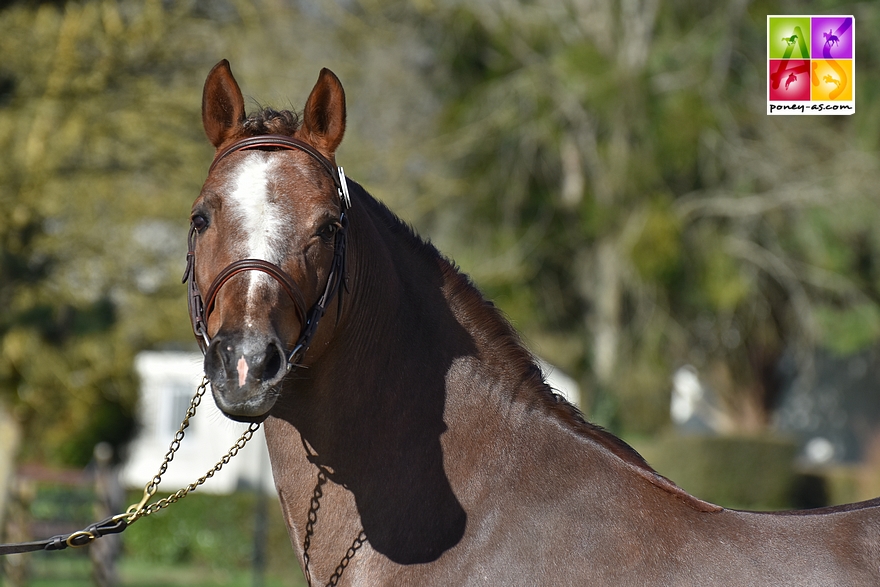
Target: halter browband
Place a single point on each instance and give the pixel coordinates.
(200, 308)
(291, 144)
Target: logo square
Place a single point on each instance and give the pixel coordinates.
(832, 37)
(811, 64)
(789, 79)
(832, 80)
(789, 37)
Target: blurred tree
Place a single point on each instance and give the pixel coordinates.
(615, 156)
(101, 131)
(96, 122)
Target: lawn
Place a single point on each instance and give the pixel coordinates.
(62, 570)
(204, 541)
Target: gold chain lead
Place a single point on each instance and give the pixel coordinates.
(142, 508)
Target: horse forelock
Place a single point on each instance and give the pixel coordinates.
(270, 121)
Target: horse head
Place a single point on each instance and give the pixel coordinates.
(267, 234)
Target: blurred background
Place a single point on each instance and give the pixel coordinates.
(707, 275)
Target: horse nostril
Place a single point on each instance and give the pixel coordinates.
(274, 362)
(217, 360)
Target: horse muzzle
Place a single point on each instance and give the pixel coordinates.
(245, 370)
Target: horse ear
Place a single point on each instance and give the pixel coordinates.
(324, 115)
(222, 105)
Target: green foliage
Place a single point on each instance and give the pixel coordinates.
(657, 253)
(74, 570)
(682, 120)
(95, 125)
(100, 121)
(203, 540)
(724, 286)
(849, 329)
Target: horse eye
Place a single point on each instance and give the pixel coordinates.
(328, 231)
(199, 222)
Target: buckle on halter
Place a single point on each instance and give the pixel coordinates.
(343, 189)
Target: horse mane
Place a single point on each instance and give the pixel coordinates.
(532, 390)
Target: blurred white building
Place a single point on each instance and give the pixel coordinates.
(168, 382)
(694, 408)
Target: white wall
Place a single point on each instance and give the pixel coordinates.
(168, 382)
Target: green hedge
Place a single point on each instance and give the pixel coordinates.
(216, 531)
(754, 473)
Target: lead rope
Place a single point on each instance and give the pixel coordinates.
(141, 509)
(118, 523)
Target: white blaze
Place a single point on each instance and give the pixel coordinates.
(260, 218)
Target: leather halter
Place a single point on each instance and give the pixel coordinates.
(200, 308)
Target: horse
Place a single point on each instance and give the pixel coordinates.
(412, 437)
(831, 38)
(830, 80)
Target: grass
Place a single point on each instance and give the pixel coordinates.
(205, 541)
(62, 570)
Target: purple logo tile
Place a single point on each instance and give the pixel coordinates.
(831, 37)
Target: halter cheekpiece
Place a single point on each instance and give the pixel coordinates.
(200, 307)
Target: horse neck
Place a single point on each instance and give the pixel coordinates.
(431, 339)
(419, 353)
(369, 412)
(415, 335)
(422, 399)
(412, 310)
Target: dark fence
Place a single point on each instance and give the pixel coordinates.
(45, 501)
